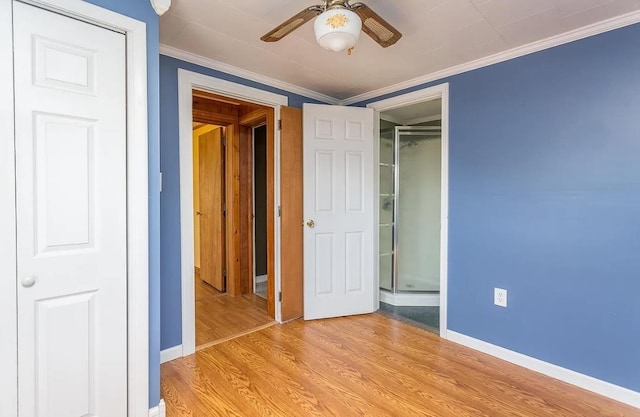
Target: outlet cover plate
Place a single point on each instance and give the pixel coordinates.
(500, 297)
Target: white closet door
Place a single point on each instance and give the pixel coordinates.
(71, 216)
(339, 211)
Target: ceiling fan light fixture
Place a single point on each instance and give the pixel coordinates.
(160, 6)
(337, 29)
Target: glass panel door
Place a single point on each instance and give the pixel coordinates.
(410, 194)
(387, 197)
(417, 199)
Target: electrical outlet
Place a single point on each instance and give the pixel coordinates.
(500, 297)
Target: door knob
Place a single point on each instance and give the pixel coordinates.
(28, 282)
(311, 224)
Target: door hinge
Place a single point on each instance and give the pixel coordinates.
(224, 273)
(280, 124)
(224, 209)
(279, 211)
(280, 296)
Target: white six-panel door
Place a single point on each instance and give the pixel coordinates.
(70, 110)
(339, 211)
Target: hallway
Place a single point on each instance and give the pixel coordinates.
(220, 316)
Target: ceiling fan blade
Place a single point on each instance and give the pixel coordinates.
(375, 26)
(292, 24)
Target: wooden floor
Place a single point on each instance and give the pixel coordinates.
(220, 316)
(364, 366)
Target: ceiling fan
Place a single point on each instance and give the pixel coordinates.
(338, 25)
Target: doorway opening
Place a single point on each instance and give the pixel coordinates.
(413, 207)
(225, 181)
(254, 108)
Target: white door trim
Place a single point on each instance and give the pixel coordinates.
(440, 91)
(187, 81)
(8, 283)
(137, 201)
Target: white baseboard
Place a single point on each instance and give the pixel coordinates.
(261, 278)
(158, 411)
(589, 383)
(170, 354)
(410, 300)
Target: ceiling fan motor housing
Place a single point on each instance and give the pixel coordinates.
(337, 29)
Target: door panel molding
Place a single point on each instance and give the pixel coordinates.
(137, 197)
(187, 82)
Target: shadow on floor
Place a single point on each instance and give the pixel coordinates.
(427, 318)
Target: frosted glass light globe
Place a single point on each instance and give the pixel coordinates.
(337, 29)
(160, 6)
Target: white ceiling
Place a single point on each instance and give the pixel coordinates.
(437, 34)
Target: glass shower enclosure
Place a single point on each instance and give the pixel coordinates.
(410, 196)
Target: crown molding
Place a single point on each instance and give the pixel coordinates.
(557, 40)
(537, 46)
(243, 73)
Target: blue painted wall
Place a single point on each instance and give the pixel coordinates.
(545, 202)
(171, 306)
(142, 11)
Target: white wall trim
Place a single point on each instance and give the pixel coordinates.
(243, 73)
(410, 300)
(170, 354)
(440, 91)
(137, 198)
(187, 81)
(158, 411)
(598, 386)
(561, 39)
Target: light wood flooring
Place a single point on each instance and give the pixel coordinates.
(220, 316)
(364, 366)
